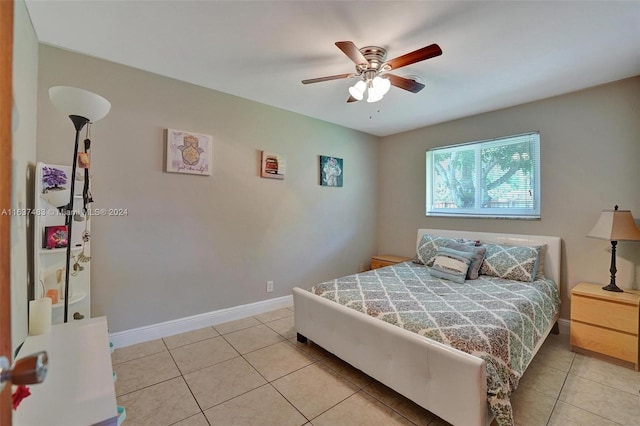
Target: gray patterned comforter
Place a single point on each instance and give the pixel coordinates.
(498, 320)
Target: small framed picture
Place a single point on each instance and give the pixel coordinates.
(55, 236)
(331, 169)
(273, 166)
(188, 152)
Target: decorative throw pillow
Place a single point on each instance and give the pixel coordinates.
(476, 261)
(541, 257)
(518, 263)
(451, 264)
(428, 248)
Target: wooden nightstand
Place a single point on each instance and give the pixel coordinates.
(606, 322)
(386, 260)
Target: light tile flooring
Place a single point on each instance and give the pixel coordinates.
(253, 372)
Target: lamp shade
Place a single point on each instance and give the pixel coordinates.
(615, 225)
(357, 90)
(382, 85)
(374, 95)
(75, 101)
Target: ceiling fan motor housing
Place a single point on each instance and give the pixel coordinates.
(376, 56)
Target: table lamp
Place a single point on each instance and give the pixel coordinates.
(615, 225)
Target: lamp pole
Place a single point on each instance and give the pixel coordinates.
(612, 283)
(78, 122)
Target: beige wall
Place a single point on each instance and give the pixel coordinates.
(590, 151)
(194, 244)
(25, 82)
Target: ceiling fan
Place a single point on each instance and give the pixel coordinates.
(371, 65)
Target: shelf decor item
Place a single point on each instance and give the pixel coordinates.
(82, 107)
(615, 225)
(56, 236)
(39, 316)
(53, 186)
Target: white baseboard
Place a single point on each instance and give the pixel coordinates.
(181, 325)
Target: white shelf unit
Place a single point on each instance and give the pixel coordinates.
(48, 261)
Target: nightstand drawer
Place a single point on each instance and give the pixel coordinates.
(608, 342)
(616, 316)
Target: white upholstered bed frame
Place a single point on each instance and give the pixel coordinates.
(448, 382)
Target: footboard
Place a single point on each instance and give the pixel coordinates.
(445, 381)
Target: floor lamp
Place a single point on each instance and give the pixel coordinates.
(615, 225)
(82, 107)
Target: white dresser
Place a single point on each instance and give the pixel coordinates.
(78, 389)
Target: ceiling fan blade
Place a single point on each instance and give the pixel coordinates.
(352, 52)
(351, 99)
(405, 83)
(331, 77)
(415, 56)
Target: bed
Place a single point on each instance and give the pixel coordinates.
(449, 382)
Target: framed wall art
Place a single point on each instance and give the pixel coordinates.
(188, 152)
(272, 166)
(331, 171)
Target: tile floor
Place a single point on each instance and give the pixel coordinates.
(253, 372)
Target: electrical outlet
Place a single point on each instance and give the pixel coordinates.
(269, 286)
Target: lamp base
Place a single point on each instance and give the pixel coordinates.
(613, 287)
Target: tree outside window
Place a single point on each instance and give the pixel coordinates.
(497, 178)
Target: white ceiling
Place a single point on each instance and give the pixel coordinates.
(495, 54)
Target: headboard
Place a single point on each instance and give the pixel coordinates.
(551, 260)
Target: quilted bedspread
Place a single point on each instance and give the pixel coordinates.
(498, 320)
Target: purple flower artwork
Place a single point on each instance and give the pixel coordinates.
(53, 178)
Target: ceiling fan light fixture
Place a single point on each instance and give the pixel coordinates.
(381, 85)
(357, 90)
(374, 95)
(378, 87)
(371, 61)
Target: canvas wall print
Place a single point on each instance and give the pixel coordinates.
(273, 166)
(331, 171)
(188, 152)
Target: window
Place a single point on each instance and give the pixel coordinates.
(492, 178)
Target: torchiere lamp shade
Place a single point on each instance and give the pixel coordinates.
(75, 101)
